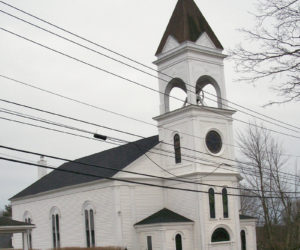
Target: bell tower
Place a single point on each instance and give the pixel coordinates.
(190, 57)
(198, 137)
(191, 54)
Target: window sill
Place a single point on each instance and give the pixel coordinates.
(220, 219)
(222, 243)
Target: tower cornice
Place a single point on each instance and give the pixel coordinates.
(194, 111)
(189, 47)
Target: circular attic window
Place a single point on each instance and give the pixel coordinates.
(213, 141)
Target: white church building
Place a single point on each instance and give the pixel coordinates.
(196, 203)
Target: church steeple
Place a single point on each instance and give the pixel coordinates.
(190, 58)
(187, 24)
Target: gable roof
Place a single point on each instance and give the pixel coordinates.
(163, 216)
(117, 158)
(187, 24)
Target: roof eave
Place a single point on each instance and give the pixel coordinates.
(163, 224)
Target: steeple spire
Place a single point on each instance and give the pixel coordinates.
(187, 24)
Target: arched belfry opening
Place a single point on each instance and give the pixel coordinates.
(175, 94)
(208, 92)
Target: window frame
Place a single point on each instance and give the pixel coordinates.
(225, 203)
(27, 219)
(208, 142)
(55, 230)
(55, 218)
(220, 230)
(149, 242)
(89, 220)
(243, 240)
(177, 148)
(176, 246)
(212, 203)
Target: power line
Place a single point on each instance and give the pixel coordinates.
(70, 118)
(89, 132)
(114, 139)
(29, 85)
(126, 171)
(112, 178)
(1, 1)
(52, 129)
(111, 138)
(128, 65)
(65, 126)
(77, 101)
(132, 60)
(102, 126)
(137, 83)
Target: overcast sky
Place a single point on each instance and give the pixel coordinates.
(133, 28)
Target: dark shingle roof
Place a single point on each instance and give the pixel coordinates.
(117, 158)
(246, 217)
(5, 221)
(163, 216)
(186, 24)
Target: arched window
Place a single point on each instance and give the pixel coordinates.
(243, 240)
(220, 234)
(55, 230)
(225, 202)
(55, 216)
(211, 197)
(27, 219)
(177, 148)
(207, 86)
(178, 242)
(89, 227)
(175, 88)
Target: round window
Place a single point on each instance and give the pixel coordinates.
(213, 142)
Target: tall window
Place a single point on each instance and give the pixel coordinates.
(220, 234)
(29, 237)
(225, 202)
(211, 196)
(178, 242)
(177, 148)
(55, 230)
(89, 227)
(243, 240)
(149, 243)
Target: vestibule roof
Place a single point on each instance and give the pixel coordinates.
(246, 217)
(117, 158)
(163, 216)
(187, 24)
(8, 225)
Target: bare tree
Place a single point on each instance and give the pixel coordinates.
(274, 205)
(273, 53)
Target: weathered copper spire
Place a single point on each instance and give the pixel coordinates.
(187, 24)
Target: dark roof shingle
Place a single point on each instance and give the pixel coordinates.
(163, 216)
(117, 158)
(246, 217)
(5, 221)
(187, 24)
